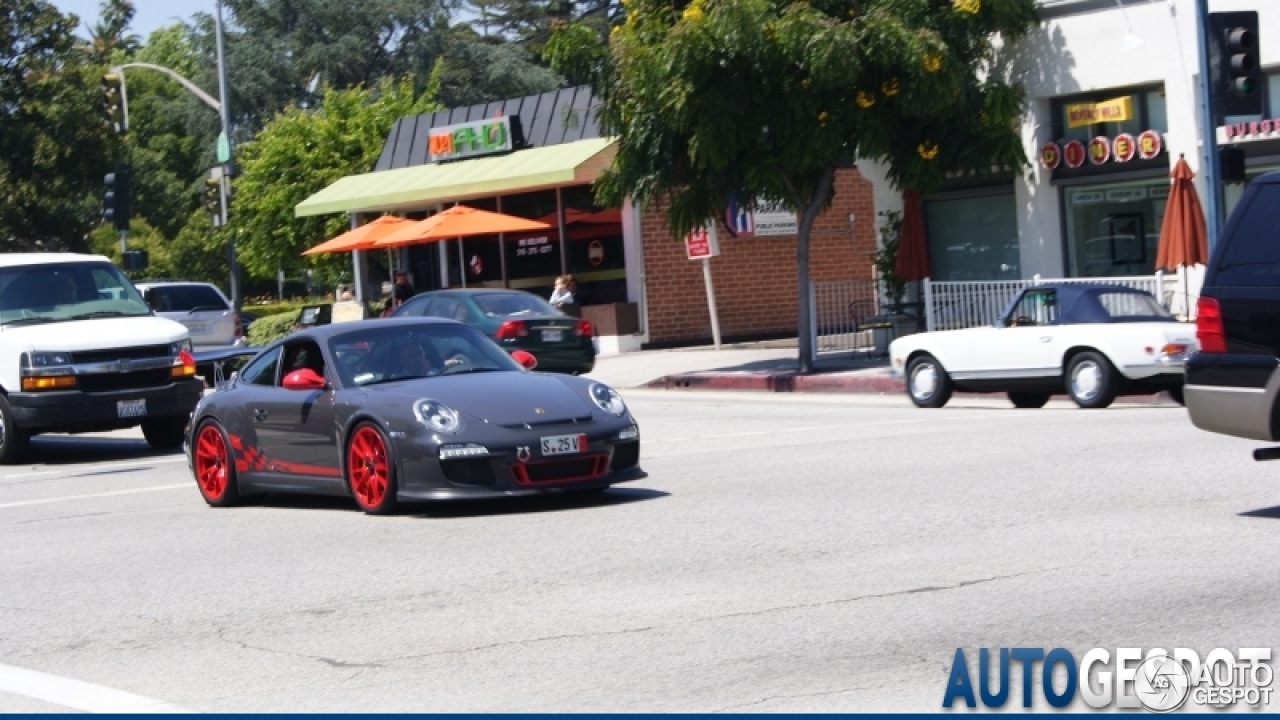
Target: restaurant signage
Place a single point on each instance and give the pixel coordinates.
(469, 139)
(1124, 147)
(1116, 110)
(533, 246)
(1073, 152)
(1102, 149)
(1253, 130)
(1099, 150)
(1050, 155)
(1149, 145)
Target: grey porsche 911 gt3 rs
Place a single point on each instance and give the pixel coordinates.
(399, 410)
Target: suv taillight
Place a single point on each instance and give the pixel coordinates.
(583, 329)
(511, 329)
(1209, 326)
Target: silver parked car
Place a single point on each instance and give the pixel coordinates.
(201, 307)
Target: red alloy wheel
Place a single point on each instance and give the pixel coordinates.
(369, 468)
(212, 462)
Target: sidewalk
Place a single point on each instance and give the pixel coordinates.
(763, 366)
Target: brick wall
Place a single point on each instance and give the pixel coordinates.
(754, 279)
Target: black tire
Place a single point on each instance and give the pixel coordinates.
(1091, 380)
(14, 443)
(371, 470)
(1177, 395)
(1028, 400)
(214, 465)
(928, 384)
(164, 433)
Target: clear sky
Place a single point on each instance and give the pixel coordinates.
(152, 14)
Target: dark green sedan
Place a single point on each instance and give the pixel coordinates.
(516, 320)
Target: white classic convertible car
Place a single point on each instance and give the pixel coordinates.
(1093, 342)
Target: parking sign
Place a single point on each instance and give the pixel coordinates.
(702, 243)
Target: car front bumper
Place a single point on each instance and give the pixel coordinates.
(78, 411)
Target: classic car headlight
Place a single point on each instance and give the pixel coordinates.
(437, 416)
(607, 399)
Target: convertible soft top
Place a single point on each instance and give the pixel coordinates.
(1080, 303)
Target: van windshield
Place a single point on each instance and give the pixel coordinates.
(58, 292)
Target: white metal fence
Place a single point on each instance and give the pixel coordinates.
(957, 305)
(840, 312)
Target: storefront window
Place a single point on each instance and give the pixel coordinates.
(595, 250)
(973, 238)
(1273, 95)
(1113, 229)
(533, 259)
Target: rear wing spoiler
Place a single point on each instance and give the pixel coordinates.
(218, 358)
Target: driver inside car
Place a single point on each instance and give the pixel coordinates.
(411, 361)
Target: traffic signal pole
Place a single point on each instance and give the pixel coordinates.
(1210, 169)
(224, 108)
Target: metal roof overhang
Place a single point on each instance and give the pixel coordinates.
(420, 186)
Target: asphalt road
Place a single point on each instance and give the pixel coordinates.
(785, 553)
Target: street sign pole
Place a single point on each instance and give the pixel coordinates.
(711, 301)
(1209, 169)
(224, 109)
(702, 244)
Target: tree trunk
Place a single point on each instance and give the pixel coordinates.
(808, 214)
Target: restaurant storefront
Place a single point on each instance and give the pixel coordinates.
(535, 158)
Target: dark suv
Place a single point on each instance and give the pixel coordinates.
(1232, 384)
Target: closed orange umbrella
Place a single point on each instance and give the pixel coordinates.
(1183, 240)
(912, 262)
(459, 221)
(362, 238)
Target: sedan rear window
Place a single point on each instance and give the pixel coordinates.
(185, 298)
(503, 304)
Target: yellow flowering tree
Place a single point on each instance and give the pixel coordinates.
(713, 99)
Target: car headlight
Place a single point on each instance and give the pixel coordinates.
(437, 416)
(48, 359)
(607, 399)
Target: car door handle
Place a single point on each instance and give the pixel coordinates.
(259, 414)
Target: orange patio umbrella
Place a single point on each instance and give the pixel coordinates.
(912, 262)
(1183, 240)
(361, 238)
(458, 222)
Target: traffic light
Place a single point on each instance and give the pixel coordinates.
(1235, 74)
(213, 196)
(113, 101)
(134, 260)
(115, 196)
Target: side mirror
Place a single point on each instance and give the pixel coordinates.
(526, 359)
(304, 379)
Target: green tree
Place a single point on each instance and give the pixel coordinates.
(55, 142)
(104, 240)
(299, 153)
(110, 35)
(767, 98)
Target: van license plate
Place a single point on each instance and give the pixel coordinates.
(131, 408)
(552, 336)
(564, 444)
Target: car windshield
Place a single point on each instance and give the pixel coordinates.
(502, 304)
(184, 298)
(1127, 305)
(58, 292)
(403, 352)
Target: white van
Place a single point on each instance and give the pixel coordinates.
(81, 352)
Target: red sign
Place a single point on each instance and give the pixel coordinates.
(1124, 147)
(1149, 144)
(1050, 155)
(1242, 130)
(1074, 154)
(1099, 150)
(595, 252)
(701, 243)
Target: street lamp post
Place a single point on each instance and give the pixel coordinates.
(224, 109)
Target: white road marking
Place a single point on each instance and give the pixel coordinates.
(81, 467)
(78, 695)
(45, 501)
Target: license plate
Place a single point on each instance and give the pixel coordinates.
(564, 444)
(131, 408)
(552, 336)
(197, 327)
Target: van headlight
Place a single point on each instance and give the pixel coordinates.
(607, 399)
(48, 359)
(437, 416)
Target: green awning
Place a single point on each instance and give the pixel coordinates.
(415, 187)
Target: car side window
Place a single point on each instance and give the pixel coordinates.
(1252, 256)
(444, 307)
(1038, 307)
(415, 307)
(302, 355)
(262, 371)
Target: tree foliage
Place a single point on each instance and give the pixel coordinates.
(299, 153)
(55, 144)
(713, 99)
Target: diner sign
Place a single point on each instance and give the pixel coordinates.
(1102, 150)
(469, 139)
(1116, 110)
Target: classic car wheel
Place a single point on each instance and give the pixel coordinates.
(370, 472)
(928, 384)
(213, 466)
(1091, 381)
(14, 443)
(1028, 400)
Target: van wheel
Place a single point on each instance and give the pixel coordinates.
(14, 443)
(1091, 380)
(164, 433)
